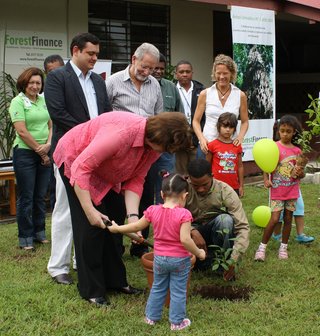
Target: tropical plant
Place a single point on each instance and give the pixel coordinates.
(8, 91)
(303, 141)
(313, 124)
(240, 55)
(313, 111)
(222, 255)
(169, 72)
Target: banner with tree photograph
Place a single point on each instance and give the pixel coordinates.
(253, 35)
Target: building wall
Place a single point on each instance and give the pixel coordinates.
(191, 28)
(60, 16)
(192, 37)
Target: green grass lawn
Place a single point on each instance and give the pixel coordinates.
(285, 298)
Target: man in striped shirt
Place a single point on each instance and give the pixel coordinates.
(135, 90)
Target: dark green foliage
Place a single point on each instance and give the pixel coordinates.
(241, 52)
(169, 73)
(8, 91)
(221, 255)
(313, 111)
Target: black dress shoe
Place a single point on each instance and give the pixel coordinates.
(63, 279)
(99, 301)
(130, 290)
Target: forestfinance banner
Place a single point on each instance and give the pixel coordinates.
(31, 48)
(253, 34)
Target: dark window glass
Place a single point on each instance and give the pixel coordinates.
(122, 26)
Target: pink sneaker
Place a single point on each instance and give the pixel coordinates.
(283, 254)
(260, 254)
(184, 324)
(148, 321)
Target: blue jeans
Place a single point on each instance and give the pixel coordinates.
(32, 182)
(210, 233)
(169, 273)
(164, 163)
(200, 154)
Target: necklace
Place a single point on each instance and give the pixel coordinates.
(223, 94)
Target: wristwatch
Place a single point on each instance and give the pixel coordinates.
(132, 215)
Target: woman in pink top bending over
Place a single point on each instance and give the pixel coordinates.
(284, 184)
(100, 161)
(172, 241)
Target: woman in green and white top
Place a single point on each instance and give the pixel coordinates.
(31, 161)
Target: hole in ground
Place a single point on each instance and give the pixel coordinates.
(231, 293)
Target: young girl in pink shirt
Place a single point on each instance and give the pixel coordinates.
(284, 184)
(172, 241)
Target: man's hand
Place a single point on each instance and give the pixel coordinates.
(198, 240)
(230, 274)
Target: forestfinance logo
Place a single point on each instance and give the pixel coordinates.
(33, 41)
(253, 139)
(32, 47)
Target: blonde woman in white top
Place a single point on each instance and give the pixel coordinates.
(221, 97)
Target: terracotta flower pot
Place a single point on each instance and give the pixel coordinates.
(147, 263)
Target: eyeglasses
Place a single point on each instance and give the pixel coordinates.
(146, 67)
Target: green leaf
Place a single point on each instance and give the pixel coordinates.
(8, 91)
(224, 266)
(216, 246)
(227, 253)
(215, 267)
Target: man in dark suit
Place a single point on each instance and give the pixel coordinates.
(189, 90)
(74, 94)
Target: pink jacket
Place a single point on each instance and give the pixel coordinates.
(106, 153)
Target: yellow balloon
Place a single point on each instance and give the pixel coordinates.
(266, 154)
(261, 215)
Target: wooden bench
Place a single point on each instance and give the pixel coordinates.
(10, 176)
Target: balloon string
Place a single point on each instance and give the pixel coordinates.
(269, 191)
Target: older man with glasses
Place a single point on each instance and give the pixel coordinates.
(135, 90)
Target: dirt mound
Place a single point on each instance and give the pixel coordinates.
(231, 293)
